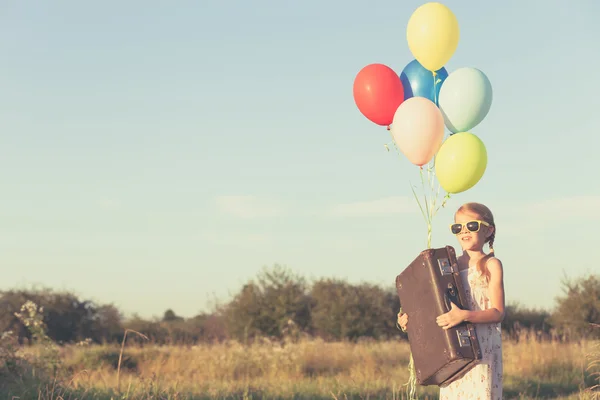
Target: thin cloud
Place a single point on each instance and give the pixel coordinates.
(383, 206)
(584, 206)
(247, 207)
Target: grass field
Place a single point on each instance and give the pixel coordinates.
(309, 369)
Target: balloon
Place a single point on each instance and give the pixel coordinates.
(418, 129)
(465, 99)
(378, 92)
(419, 81)
(432, 34)
(461, 162)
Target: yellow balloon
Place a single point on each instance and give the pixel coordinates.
(460, 162)
(432, 33)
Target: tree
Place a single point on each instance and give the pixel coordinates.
(10, 303)
(66, 317)
(579, 307)
(266, 306)
(345, 311)
(520, 320)
(170, 316)
(212, 327)
(108, 324)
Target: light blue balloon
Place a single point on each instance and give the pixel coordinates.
(419, 82)
(465, 99)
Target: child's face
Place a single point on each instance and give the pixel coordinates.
(468, 239)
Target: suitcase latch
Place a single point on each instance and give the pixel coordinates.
(463, 337)
(445, 266)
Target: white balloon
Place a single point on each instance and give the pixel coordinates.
(465, 99)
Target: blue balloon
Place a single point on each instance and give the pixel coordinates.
(419, 82)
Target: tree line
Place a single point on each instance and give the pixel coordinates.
(280, 304)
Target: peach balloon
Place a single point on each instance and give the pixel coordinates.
(418, 129)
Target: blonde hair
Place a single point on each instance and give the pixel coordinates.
(486, 215)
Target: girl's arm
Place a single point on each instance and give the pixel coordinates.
(496, 313)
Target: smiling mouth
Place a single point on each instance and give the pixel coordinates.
(466, 238)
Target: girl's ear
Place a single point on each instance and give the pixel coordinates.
(490, 231)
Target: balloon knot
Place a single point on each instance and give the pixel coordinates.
(388, 127)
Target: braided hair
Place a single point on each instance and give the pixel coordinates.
(490, 240)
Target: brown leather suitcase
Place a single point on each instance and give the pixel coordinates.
(425, 289)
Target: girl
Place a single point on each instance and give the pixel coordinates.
(482, 275)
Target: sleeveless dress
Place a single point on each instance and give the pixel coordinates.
(484, 381)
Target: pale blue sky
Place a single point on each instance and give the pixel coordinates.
(154, 155)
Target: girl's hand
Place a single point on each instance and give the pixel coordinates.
(452, 318)
(402, 321)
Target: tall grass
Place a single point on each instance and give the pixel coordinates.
(292, 369)
(307, 369)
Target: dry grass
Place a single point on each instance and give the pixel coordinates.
(310, 369)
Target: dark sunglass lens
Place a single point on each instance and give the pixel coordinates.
(473, 226)
(456, 228)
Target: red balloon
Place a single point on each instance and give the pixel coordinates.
(378, 92)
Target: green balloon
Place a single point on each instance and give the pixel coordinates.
(460, 162)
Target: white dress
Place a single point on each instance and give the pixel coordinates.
(484, 381)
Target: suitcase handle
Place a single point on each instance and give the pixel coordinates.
(450, 296)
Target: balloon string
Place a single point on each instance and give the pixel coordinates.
(428, 210)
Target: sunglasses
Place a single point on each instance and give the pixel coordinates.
(472, 226)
